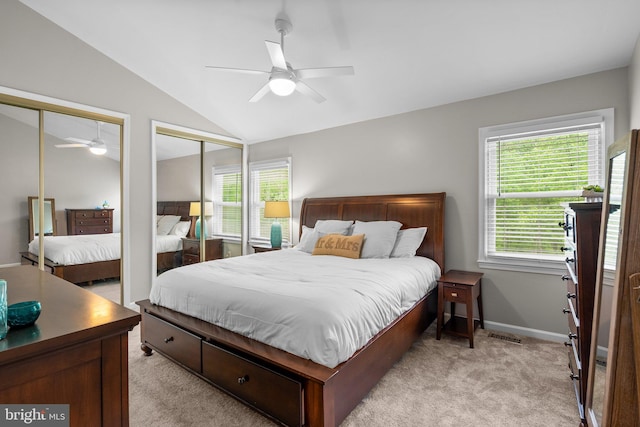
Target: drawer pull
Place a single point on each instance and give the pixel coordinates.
(168, 340)
(574, 376)
(454, 294)
(564, 249)
(571, 295)
(565, 277)
(567, 344)
(566, 310)
(568, 260)
(242, 380)
(572, 336)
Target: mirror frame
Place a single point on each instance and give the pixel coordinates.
(176, 131)
(620, 394)
(32, 219)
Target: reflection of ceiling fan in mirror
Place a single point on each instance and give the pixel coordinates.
(284, 79)
(96, 145)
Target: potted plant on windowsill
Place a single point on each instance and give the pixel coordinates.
(592, 193)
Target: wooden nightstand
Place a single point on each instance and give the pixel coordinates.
(462, 287)
(263, 248)
(191, 250)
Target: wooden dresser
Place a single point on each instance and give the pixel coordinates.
(582, 232)
(76, 353)
(191, 250)
(89, 221)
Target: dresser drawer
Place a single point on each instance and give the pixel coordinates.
(93, 222)
(176, 343)
(452, 292)
(95, 229)
(264, 389)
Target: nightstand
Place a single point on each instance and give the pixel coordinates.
(263, 248)
(191, 250)
(463, 287)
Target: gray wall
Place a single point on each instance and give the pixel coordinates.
(428, 150)
(634, 87)
(437, 150)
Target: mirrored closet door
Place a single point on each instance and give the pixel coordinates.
(198, 180)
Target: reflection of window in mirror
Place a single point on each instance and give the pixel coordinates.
(50, 227)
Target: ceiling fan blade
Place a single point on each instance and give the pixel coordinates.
(71, 145)
(276, 54)
(312, 73)
(78, 140)
(259, 94)
(306, 90)
(237, 70)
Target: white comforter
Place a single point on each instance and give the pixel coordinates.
(87, 248)
(322, 308)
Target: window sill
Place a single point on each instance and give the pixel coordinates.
(553, 268)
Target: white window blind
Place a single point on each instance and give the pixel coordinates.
(227, 201)
(529, 178)
(268, 181)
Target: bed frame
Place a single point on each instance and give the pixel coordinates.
(87, 273)
(289, 389)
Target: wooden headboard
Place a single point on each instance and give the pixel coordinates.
(412, 210)
(175, 208)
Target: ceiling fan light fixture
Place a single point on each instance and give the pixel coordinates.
(98, 149)
(282, 86)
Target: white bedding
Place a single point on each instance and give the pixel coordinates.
(87, 248)
(322, 308)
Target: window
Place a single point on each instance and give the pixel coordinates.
(529, 172)
(268, 181)
(227, 201)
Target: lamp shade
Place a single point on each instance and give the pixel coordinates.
(194, 209)
(276, 209)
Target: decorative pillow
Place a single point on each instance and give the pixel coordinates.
(339, 245)
(158, 218)
(166, 223)
(408, 242)
(181, 229)
(381, 237)
(333, 226)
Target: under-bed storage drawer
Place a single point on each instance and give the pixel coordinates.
(172, 341)
(266, 390)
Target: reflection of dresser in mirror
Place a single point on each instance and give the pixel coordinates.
(89, 221)
(614, 370)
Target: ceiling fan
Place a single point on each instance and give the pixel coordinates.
(96, 145)
(283, 78)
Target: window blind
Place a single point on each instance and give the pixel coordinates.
(530, 177)
(227, 201)
(268, 181)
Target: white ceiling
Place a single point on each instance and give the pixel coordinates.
(407, 54)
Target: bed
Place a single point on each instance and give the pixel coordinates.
(86, 258)
(290, 388)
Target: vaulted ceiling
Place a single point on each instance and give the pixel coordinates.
(407, 54)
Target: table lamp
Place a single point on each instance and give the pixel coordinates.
(276, 210)
(194, 210)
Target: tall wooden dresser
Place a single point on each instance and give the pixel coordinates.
(582, 231)
(89, 221)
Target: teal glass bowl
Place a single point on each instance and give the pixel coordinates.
(23, 313)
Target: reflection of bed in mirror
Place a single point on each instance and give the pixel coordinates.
(86, 258)
(296, 389)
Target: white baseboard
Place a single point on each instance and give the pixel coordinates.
(528, 332)
(10, 265)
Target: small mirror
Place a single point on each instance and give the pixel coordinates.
(50, 228)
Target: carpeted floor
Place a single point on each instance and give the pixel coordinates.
(437, 383)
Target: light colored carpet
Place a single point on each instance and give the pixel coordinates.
(437, 383)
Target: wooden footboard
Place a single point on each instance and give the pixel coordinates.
(284, 387)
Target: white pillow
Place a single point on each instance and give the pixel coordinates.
(408, 242)
(158, 218)
(181, 229)
(379, 237)
(333, 226)
(166, 223)
(308, 239)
